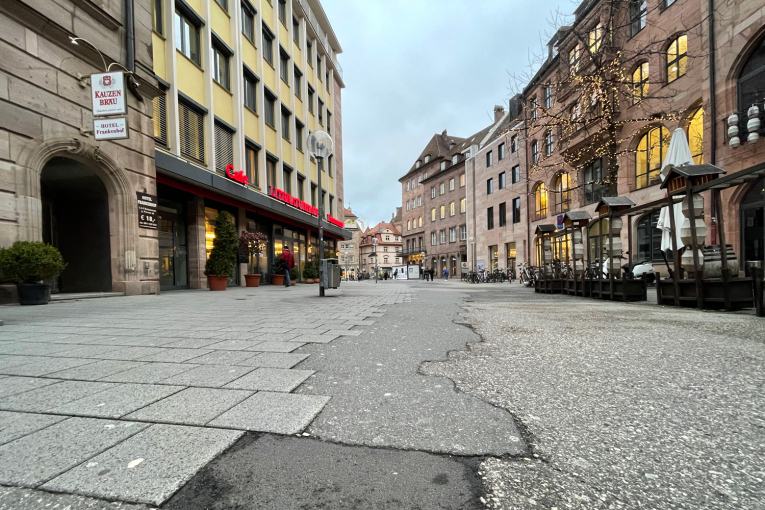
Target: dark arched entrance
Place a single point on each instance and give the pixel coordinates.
(75, 209)
(753, 225)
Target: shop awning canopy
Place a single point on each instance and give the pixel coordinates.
(545, 229)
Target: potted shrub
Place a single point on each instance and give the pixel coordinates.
(307, 274)
(277, 273)
(222, 261)
(252, 244)
(293, 275)
(29, 263)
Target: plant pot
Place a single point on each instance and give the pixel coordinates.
(293, 282)
(33, 293)
(277, 279)
(308, 280)
(252, 280)
(217, 282)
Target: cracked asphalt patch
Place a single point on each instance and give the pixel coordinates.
(627, 406)
(288, 473)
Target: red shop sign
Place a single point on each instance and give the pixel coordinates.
(335, 222)
(293, 201)
(239, 176)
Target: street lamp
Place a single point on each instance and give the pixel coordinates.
(472, 244)
(374, 252)
(320, 145)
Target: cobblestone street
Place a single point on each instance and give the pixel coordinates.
(392, 395)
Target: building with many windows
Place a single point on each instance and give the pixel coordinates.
(348, 249)
(244, 84)
(666, 80)
(382, 255)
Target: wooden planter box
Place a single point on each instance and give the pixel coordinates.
(740, 290)
(574, 287)
(625, 290)
(549, 286)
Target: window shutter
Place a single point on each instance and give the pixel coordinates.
(224, 148)
(160, 120)
(192, 135)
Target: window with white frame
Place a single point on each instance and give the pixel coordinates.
(452, 235)
(433, 239)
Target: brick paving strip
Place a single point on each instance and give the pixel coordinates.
(127, 398)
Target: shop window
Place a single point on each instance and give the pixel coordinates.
(540, 201)
(650, 153)
(677, 58)
(640, 83)
(191, 130)
(751, 80)
(187, 38)
(493, 258)
(160, 119)
(562, 193)
(251, 162)
(510, 255)
(593, 182)
(649, 239)
(696, 136)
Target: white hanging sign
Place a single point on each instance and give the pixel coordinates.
(115, 128)
(108, 94)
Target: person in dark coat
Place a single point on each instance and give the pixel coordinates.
(288, 262)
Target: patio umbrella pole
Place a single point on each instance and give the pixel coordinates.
(695, 247)
(675, 254)
(611, 253)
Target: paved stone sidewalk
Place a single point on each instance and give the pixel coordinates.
(126, 398)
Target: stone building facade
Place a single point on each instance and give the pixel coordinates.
(348, 250)
(57, 183)
(665, 71)
(382, 256)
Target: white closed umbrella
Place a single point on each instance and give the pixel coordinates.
(678, 154)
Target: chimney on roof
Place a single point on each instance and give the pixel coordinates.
(499, 112)
(443, 135)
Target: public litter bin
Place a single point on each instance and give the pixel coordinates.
(331, 273)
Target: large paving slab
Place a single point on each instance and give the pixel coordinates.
(192, 406)
(48, 397)
(149, 467)
(16, 498)
(46, 366)
(38, 457)
(118, 401)
(150, 373)
(16, 425)
(275, 360)
(15, 385)
(209, 376)
(280, 413)
(271, 379)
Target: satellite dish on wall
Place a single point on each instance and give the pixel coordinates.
(320, 144)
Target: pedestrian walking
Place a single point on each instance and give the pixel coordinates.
(446, 274)
(288, 262)
(395, 274)
(385, 275)
(431, 273)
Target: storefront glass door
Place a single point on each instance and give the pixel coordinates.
(753, 226)
(173, 250)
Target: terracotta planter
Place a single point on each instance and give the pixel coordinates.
(252, 280)
(308, 280)
(293, 282)
(217, 282)
(277, 279)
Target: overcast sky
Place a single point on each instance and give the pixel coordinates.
(413, 68)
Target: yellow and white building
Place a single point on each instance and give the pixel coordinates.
(245, 83)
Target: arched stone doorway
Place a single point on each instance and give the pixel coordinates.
(83, 159)
(753, 225)
(75, 219)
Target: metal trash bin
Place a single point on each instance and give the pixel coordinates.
(331, 273)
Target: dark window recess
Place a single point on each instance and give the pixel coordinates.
(268, 46)
(270, 110)
(516, 210)
(490, 218)
(593, 185)
(250, 92)
(502, 214)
